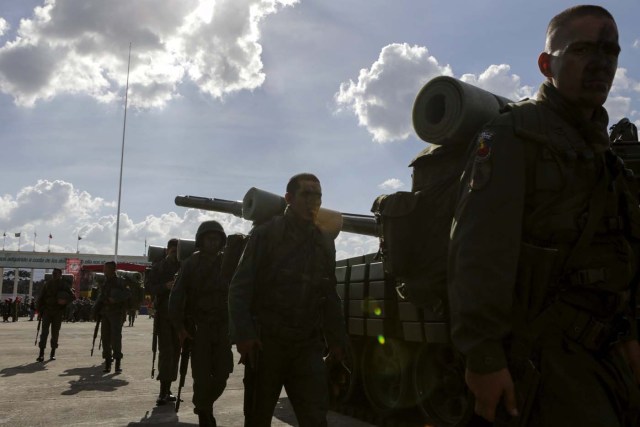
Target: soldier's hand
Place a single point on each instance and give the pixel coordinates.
(248, 350)
(183, 335)
(631, 352)
(491, 389)
(62, 301)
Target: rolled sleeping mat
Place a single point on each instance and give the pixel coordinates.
(260, 206)
(155, 253)
(449, 111)
(329, 221)
(185, 248)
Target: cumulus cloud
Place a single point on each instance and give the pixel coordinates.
(623, 92)
(636, 44)
(392, 184)
(59, 208)
(349, 245)
(79, 47)
(4, 26)
(499, 80)
(383, 95)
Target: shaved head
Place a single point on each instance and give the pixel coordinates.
(559, 24)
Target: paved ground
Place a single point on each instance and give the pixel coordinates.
(73, 391)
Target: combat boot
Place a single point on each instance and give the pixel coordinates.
(162, 397)
(118, 368)
(206, 419)
(40, 356)
(52, 356)
(107, 365)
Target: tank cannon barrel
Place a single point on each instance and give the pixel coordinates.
(259, 205)
(207, 204)
(360, 224)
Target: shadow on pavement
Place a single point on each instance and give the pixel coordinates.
(29, 368)
(161, 416)
(91, 378)
(284, 411)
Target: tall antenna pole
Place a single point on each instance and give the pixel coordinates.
(124, 127)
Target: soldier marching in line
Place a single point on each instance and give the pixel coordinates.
(198, 309)
(552, 323)
(54, 297)
(110, 306)
(160, 282)
(284, 310)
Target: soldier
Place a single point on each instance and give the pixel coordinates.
(160, 281)
(54, 297)
(198, 309)
(544, 247)
(110, 306)
(284, 310)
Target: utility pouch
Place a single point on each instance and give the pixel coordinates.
(537, 271)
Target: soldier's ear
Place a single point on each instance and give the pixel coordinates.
(544, 64)
(288, 197)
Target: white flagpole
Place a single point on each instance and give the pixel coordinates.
(124, 127)
(34, 241)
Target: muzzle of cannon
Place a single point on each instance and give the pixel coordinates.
(259, 206)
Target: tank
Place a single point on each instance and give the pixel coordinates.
(401, 367)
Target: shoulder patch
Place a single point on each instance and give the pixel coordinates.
(481, 171)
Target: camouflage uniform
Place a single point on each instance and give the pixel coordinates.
(112, 317)
(284, 293)
(162, 272)
(52, 312)
(545, 181)
(198, 303)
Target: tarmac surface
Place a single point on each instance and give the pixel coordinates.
(73, 391)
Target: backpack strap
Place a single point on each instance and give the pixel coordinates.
(528, 122)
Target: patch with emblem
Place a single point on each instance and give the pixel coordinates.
(481, 171)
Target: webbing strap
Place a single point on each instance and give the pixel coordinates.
(596, 211)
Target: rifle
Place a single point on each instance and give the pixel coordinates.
(38, 330)
(95, 334)
(184, 366)
(154, 347)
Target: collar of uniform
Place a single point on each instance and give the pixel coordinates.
(594, 131)
(298, 225)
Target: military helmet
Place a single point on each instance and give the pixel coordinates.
(208, 226)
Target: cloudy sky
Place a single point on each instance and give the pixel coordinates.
(225, 95)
